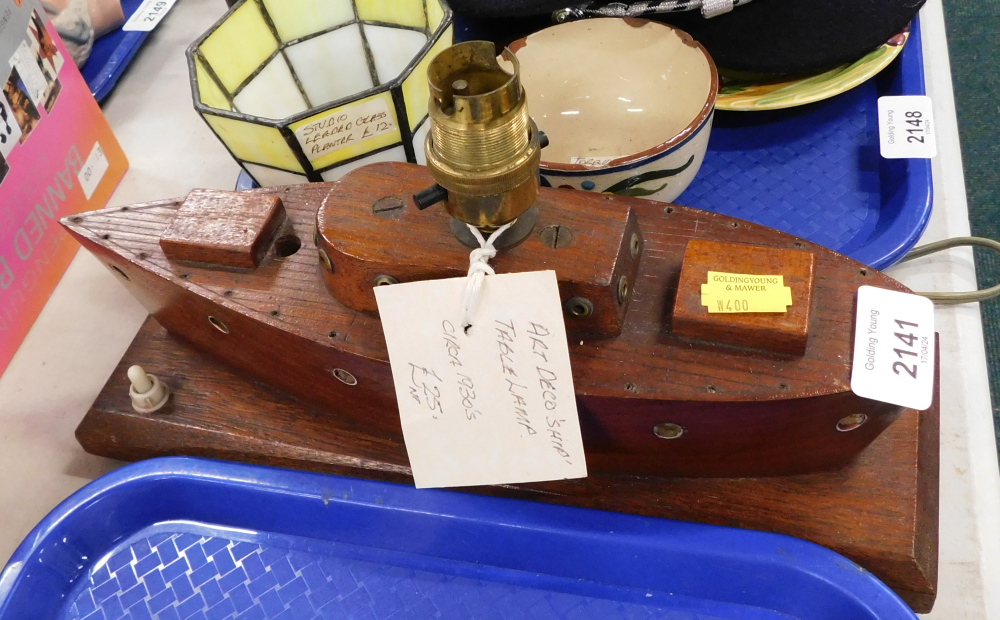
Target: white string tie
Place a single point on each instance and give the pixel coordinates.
(479, 267)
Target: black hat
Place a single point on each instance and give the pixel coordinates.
(764, 36)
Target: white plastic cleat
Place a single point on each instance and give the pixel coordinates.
(148, 393)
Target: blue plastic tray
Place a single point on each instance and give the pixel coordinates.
(181, 538)
(112, 54)
(815, 171)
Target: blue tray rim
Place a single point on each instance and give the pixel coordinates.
(761, 548)
(104, 79)
(900, 237)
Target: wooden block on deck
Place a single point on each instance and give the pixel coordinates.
(229, 229)
(880, 511)
(595, 250)
(780, 332)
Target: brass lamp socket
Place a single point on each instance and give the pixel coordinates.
(482, 146)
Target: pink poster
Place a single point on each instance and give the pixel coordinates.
(57, 157)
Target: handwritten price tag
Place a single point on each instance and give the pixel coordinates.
(149, 14)
(894, 348)
(906, 127)
(345, 127)
(494, 405)
(93, 170)
(591, 162)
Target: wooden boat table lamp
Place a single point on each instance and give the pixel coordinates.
(278, 284)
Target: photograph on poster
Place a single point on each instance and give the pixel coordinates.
(47, 56)
(10, 131)
(29, 70)
(24, 111)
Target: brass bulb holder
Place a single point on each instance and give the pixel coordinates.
(482, 147)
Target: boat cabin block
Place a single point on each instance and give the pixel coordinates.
(778, 332)
(224, 229)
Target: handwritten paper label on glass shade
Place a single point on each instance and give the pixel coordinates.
(729, 293)
(345, 127)
(494, 405)
(894, 348)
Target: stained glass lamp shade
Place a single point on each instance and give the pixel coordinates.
(306, 90)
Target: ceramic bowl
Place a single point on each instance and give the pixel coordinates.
(627, 105)
(306, 90)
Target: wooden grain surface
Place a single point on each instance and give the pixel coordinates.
(744, 412)
(880, 511)
(413, 245)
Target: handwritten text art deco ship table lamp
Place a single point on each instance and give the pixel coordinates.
(306, 90)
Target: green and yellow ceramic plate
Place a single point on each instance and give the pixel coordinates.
(747, 97)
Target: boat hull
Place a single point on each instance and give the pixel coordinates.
(741, 413)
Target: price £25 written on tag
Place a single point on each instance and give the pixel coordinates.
(491, 405)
